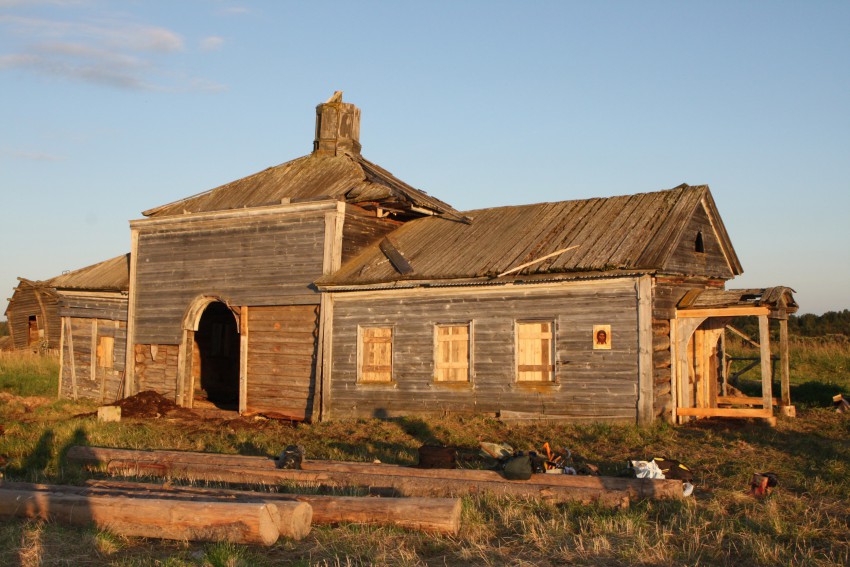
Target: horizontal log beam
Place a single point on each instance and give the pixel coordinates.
(721, 312)
(406, 481)
(743, 400)
(434, 515)
(724, 412)
(254, 523)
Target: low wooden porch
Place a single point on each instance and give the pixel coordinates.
(697, 342)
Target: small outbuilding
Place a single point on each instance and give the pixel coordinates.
(33, 316)
(92, 306)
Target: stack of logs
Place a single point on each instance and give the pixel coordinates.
(429, 497)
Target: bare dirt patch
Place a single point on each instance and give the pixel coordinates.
(149, 404)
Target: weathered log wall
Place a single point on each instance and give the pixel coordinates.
(156, 369)
(589, 384)
(661, 368)
(281, 366)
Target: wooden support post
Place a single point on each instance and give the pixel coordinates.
(646, 385)
(61, 353)
(244, 338)
(72, 356)
(674, 372)
(184, 370)
(785, 365)
(724, 368)
(766, 378)
(130, 348)
(685, 329)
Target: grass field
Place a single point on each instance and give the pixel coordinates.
(805, 521)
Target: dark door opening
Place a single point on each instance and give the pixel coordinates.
(33, 337)
(217, 343)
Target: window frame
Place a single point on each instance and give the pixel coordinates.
(552, 352)
(469, 354)
(361, 354)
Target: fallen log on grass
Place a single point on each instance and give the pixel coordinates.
(256, 523)
(634, 488)
(435, 515)
(393, 484)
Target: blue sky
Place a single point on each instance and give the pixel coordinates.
(111, 108)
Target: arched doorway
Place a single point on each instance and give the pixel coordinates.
(215, 358)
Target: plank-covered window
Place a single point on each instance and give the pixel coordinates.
(106, 352)
(451, 353)
(535, 351)
(376, 355)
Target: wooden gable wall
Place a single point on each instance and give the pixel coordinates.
(246, 260)
(361, 229)
(687, 260)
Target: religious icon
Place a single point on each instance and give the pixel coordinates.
(602, 337)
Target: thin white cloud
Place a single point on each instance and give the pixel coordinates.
(112, 52)
(212, 43)
(30, 156)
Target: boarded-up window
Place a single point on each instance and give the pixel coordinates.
(105, 352)
(376, 354)
(451, 353)
(534, 351)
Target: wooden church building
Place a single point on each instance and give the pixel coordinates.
(326, 287)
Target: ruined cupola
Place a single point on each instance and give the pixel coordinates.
(337, 127)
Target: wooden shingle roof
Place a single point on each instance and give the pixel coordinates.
(348, 176)
(627, 233)
(109, 275)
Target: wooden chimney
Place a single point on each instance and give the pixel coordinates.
(337, 127)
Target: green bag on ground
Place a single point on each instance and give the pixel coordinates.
(517, 468)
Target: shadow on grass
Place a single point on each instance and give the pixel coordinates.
(816, 393)
(812, 394)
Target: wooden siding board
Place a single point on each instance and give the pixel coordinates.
(281, 365)
(583, 376)
(252, 261)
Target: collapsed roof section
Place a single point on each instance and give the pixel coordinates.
(779, 300)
